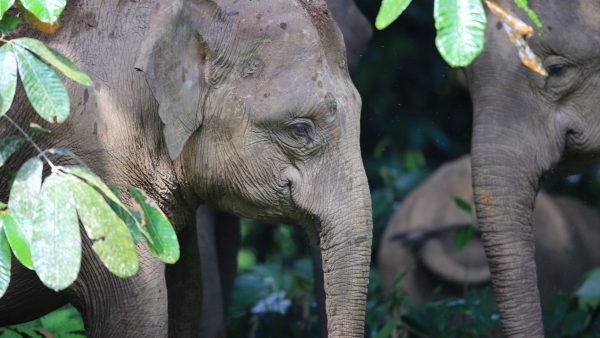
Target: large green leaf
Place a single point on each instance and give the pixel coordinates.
(164, 240)
(8, 146)
(46, 11)
(127, 217)
(4, 6)
(44, 88)
(55, 59)
(8, 77)
(390, 11)
(24, 195)
(56, 242)
(111, 238)
(460, 28)
(588, 293)
(4, 262)
(95, 181)
(17, 239)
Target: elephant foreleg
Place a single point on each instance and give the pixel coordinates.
(115, 307)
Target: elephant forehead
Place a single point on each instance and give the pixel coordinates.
(572, 27)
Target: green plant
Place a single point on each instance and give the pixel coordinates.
(65, 322)
(40, 221)
(461, 26)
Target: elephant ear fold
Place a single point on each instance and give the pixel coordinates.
(174, 57)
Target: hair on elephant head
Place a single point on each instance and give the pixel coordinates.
(526, 126)
(261, 115)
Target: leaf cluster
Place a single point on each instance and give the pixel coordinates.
(461, 26)
(40, 223)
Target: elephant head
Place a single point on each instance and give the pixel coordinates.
(525, 126)
(262, 120)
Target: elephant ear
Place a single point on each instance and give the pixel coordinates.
(173, 56)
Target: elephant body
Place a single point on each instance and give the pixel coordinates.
(527, 126)
(419, 240)
(243, 105)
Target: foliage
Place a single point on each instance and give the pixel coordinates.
(473, 315)
(461, 26)
(62, 323)
(40, 222)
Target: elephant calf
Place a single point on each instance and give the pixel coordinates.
(420, 238)
(246, 106)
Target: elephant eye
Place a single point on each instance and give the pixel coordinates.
(556, 70)
(300, 130)
(563, 75)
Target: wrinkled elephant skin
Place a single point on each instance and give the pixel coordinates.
(243, 105)
(526, 126)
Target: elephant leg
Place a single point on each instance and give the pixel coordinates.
(26, 298)
(184, 282)
(212, 320)
(116, 307)
(229, 240)
(315, 255)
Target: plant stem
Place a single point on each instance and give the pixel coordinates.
(28, 138)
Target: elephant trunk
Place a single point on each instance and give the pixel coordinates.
(505, 184)
(345, 243)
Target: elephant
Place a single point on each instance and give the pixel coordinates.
(419, 240)
(526, 127)
(243, 105)
(218, 233)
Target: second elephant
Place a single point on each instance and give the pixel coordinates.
(419, 239)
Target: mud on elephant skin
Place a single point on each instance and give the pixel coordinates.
(419, 240)
(243, 105)
(526, 126)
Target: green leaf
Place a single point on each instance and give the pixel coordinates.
(8, 77)
(7, 333)
(46, 11)
(588, 293)
(4, 261)
(390, 11)
(460, 28)
(95, 181)
(127, 217)
(523, 4)
(9, 23)
(17, 239)
(8, 146)
(463, 205)
(55, 241)
(164, 240)
(63, 321)
(4, 6)
(44, 88)
(37, 129)
(463, 236)
(24, 195)
(387, 330)
(111, 238)
(55, 59)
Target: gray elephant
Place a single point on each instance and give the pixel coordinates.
(527, 126)
(218, 233)
(244, 105)
(419, 240)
